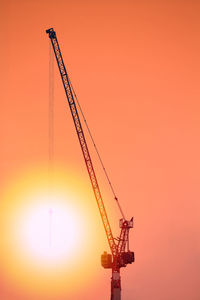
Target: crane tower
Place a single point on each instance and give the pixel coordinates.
(120, 255)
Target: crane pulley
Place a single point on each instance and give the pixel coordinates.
(121, 255)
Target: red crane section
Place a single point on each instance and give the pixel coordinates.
(121, 255)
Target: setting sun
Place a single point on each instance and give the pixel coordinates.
(51, 230)
(50, 235)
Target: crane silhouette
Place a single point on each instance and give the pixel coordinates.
(120, 255)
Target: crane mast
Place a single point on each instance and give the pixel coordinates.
(121, 255)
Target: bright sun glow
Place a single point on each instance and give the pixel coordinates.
(51, 230)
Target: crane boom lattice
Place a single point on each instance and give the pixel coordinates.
(81, 137)
(121, 255)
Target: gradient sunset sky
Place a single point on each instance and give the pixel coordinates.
(135, 66)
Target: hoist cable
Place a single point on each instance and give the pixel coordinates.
(51, 107)
(97, 151)
(51, 135)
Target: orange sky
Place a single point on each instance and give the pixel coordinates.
(135, 68)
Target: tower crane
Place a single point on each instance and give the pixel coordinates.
(120, 255)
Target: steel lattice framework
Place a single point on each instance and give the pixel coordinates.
(121, 255)
(82, 140)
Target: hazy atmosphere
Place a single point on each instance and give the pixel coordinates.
(135, 68)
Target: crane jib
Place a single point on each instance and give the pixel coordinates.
(82, 140)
